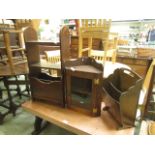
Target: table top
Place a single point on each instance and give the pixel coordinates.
(76, 122)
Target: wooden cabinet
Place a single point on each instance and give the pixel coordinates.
(84, 85)
(137, 64)
(43, 86)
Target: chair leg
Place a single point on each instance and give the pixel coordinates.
(80, 46)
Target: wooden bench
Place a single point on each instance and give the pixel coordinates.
(73, 121)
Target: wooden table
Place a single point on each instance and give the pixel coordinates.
(73, 121)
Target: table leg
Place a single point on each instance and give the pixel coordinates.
(1, 118)
(39, 125)
(13, 107)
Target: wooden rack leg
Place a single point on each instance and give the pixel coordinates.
(39, 125)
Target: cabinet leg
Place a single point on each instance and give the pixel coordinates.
(39, 125)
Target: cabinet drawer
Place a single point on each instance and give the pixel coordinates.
(127, 61)
(141, 62)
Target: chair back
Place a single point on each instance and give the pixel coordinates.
(53, 57)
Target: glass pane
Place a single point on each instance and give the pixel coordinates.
(81, 91)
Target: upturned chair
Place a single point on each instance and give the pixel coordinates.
(100, 29)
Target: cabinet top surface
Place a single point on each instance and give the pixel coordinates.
(84, 68)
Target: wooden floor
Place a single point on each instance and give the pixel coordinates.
(76, 122)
